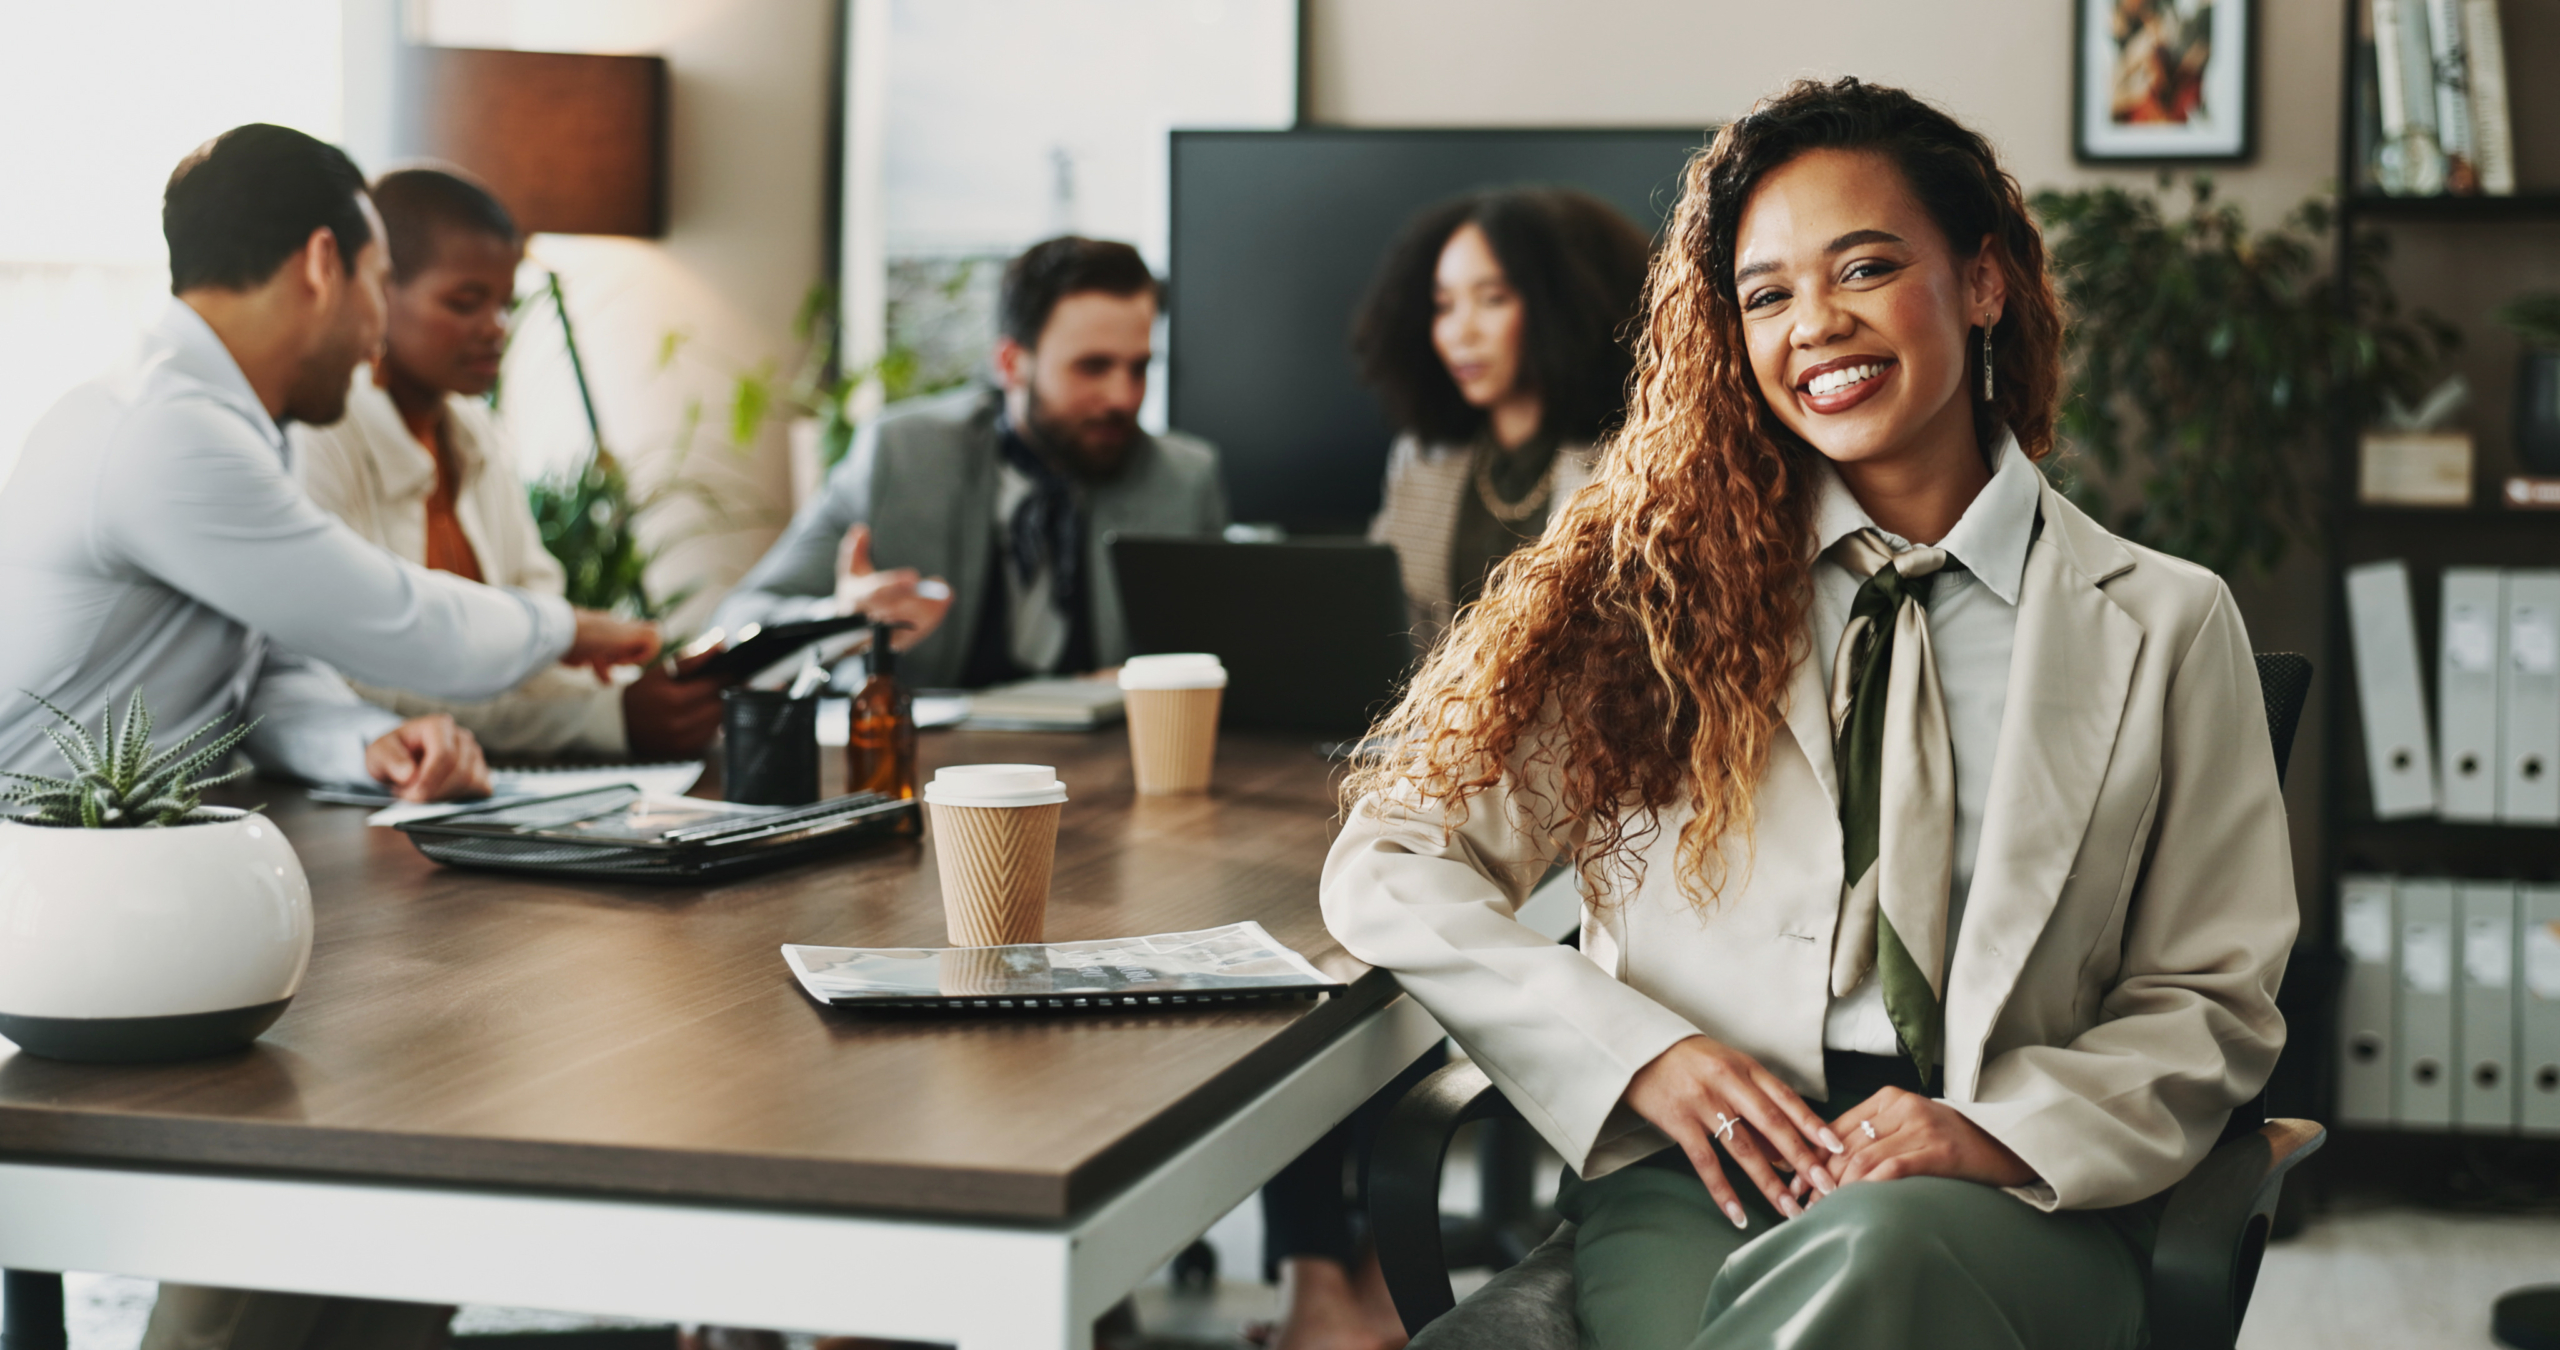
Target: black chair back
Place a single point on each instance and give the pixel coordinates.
(2284, 681)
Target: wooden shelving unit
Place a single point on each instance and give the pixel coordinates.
(2524, 206)
(2485, 534)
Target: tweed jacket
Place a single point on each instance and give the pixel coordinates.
(923, 475)
(2111, 995)
(1418, 517)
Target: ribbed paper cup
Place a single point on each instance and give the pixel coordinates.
(1173, 703)
(995, 838)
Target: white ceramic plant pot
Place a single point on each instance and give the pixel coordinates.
(146, 944)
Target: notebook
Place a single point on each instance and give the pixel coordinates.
(1052, 704)
(1235, 963)
(626, 833)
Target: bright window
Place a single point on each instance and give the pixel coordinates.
(100, 101)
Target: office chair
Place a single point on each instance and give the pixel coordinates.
(2203, 1268)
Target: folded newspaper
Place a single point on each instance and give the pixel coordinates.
(1169, 970)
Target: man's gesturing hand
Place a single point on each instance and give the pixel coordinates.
(603, 641)
(1701, 1090)
(1916, 1136)
(898, 595)
(429, 759)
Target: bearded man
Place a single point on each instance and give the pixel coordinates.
(979, 517)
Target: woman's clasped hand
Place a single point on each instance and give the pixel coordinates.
(1701, 1092)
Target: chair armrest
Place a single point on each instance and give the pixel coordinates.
(1404, 1186)
(2214, 1233)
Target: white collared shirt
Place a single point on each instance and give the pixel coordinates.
(1973, 627)
(152, 537)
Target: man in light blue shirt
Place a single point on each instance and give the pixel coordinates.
(153, 536)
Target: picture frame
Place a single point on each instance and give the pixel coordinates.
(2164, 81)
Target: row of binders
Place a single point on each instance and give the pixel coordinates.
(2495, 752)
(2450, 1017)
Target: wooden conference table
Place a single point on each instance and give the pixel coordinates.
(609, 1098)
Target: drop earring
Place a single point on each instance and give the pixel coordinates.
(1986, 358)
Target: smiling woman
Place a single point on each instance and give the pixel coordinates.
(1935, 873)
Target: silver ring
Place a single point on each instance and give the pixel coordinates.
(1725, 1124)
(1869, 1126)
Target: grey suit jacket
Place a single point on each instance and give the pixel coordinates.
(923, 476)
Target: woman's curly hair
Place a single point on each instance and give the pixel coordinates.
(1638, 654)
(1578, 267)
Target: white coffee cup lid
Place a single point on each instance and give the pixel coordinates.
(1175, 670)
(995, 785)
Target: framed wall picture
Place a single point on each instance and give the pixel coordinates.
(2164, 81)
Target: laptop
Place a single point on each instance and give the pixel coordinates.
(1313, 632)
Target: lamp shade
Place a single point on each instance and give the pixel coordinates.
(572, 143)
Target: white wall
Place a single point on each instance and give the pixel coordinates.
(2002, 66)
(747, 129)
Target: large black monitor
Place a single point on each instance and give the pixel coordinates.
(1276, 234)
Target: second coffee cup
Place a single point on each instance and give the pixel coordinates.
(1173, 719)
(995, 838)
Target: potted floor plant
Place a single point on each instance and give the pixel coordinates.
(139, 923)
(2208, 362)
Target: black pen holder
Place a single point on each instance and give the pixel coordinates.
(769, 747)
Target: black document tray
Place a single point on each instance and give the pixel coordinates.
(623, 833)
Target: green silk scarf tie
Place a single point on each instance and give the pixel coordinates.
(1897, 790)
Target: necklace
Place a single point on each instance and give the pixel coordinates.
(1512, 513)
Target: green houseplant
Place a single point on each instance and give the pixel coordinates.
(591, 518)
(143, 924)
(2207, 361)
(817, 386)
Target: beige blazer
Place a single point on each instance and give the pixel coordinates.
(367, 470)
(2112, 991)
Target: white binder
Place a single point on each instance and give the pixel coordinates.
(2470, 640)
(2397, 756)
(2538, 1011)
(2529, 700)
(2364, 1002)
(2484, 1093)
(2425, 1051)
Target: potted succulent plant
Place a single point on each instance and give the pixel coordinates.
(140, 923)
(2536, 319)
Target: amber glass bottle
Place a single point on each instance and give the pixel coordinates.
(880, 749)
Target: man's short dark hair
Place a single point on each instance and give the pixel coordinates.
(417, 203)
(249, 198)
(1053, 269)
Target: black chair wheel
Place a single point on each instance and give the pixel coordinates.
(2528, 1318)
(1196, 1266)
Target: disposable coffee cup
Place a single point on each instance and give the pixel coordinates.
(995, 837)
(1172, 703)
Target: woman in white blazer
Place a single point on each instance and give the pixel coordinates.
(1935, 873)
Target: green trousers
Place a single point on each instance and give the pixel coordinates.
(1892, 1265)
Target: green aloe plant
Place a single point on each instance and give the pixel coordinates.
(117, 780)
